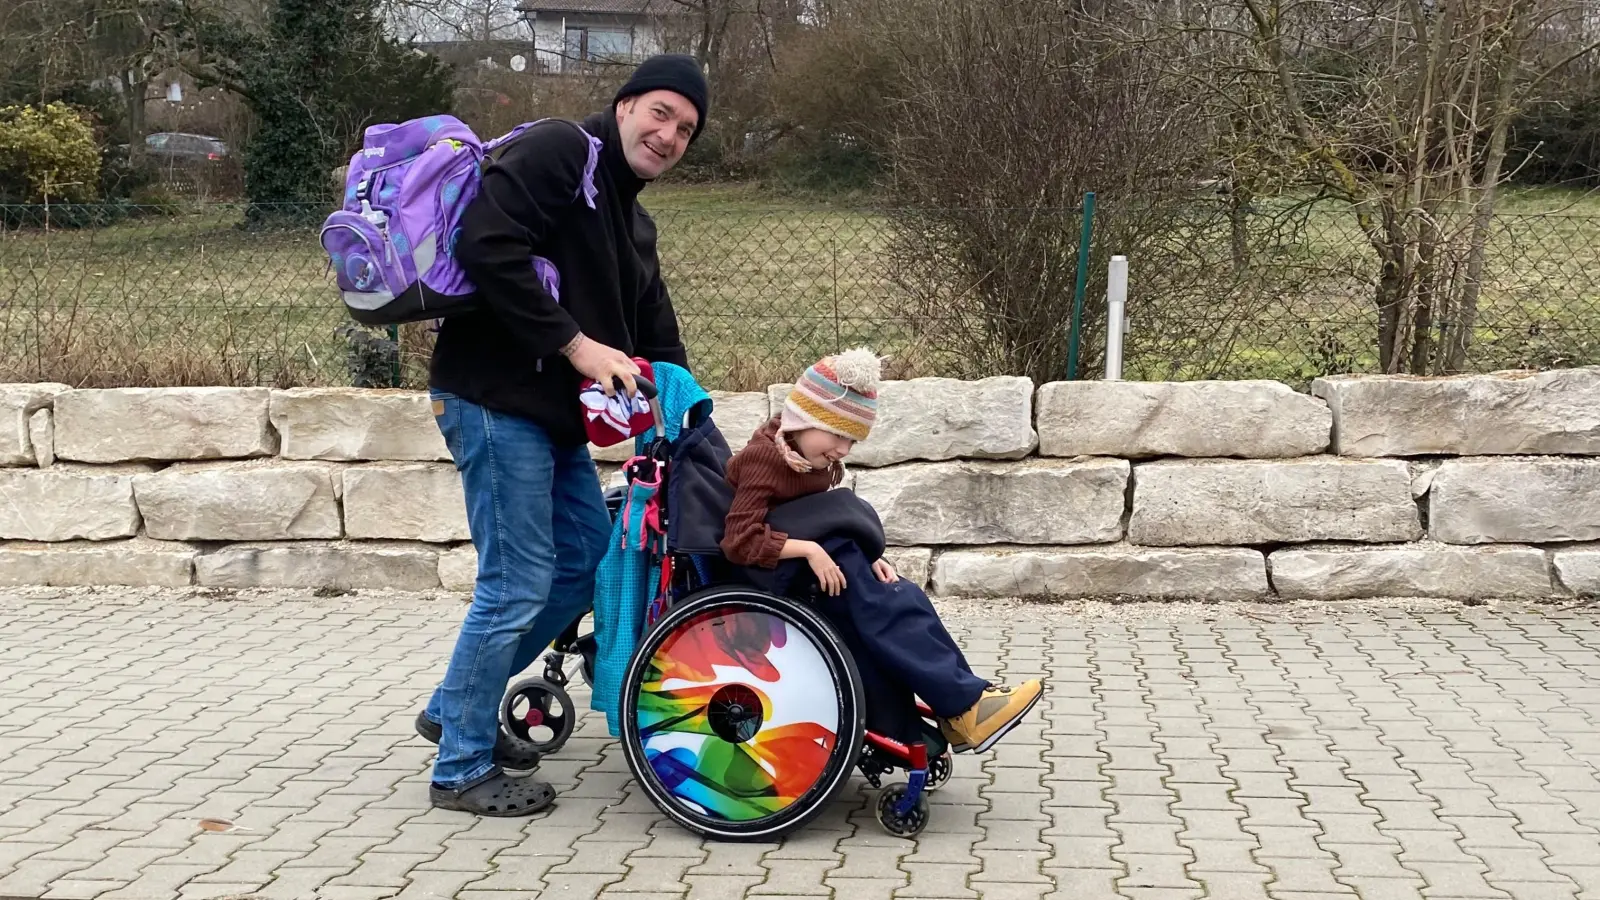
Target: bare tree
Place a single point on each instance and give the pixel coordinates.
(1400, 109)
(473, 21)
(1001, 117)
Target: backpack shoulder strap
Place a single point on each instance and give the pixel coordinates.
(493, 150)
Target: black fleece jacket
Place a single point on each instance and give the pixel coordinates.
(505, 356)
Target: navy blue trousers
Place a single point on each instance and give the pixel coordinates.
(898, 641)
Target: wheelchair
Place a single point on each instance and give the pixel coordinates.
(744, 713)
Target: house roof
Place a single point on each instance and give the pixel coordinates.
(610, 7)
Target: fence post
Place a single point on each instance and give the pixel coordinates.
(1116, 312)
(394, 373)
(1083, 281)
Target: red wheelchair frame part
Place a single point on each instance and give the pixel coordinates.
(915, 756)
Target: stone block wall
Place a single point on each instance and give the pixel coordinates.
(1466, 488)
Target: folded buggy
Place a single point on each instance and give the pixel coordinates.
(743, 711)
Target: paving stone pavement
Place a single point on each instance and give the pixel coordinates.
(1297, 753)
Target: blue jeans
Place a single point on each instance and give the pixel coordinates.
(538, 520)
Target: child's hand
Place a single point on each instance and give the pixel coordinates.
(884, 571)
(827, 571)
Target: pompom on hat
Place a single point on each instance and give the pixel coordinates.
(839, 395)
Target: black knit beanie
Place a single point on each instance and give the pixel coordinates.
(671, 72)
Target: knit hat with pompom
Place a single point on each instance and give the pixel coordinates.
(839, 395)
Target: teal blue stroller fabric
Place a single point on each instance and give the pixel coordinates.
(626, 579)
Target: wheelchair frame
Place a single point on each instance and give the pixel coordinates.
(902, 808)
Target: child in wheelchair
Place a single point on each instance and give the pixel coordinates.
(800, 453)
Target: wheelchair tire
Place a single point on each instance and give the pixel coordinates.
(743, 714)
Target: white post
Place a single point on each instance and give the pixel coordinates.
(1116, 315)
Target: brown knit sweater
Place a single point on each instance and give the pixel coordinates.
(761, 479)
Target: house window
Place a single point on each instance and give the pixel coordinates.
(588, 44)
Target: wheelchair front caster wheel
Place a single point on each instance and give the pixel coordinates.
(540, 713)
(909, 824)
(940, 768)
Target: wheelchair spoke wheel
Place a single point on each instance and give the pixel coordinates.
(742, 714)
(540, 713)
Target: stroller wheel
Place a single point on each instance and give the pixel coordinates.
(907, 824)
(540, 713)
(940, 768)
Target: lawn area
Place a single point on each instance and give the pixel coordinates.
(763, 286)
(1306, 306)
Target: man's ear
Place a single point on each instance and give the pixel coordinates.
(625, 105)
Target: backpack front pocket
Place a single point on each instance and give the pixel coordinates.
(363, 260)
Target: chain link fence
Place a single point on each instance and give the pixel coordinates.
(124, 295)
(1290, 294)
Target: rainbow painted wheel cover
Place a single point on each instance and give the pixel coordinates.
(719, 660)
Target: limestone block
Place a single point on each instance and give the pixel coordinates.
(970, 502)
(1137, 420)
(1120, 571)
(1500, 501)
(316, 564)
(911, 563)
(18, 403)
(739, 415)
(42, 434)
(1578, 568)
(135, 562)
(1224, 502)
(69, 502)
(405, 501)
(241, 501)
(458, 568)
(938, 419)
(349, 424)
(1470, 415)
(112, 425)
(1419, 570)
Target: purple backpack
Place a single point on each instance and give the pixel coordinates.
(392, 245)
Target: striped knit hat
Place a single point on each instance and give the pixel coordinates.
(838, 395)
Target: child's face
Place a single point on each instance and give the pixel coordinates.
(822, 448)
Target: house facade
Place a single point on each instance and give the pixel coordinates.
(576, 36)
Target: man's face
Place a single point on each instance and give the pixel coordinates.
(655, 129)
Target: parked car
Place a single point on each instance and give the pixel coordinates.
(177, 145)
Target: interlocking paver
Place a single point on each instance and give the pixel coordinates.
(609, 858)
(158, 881)
(1288, 843)
(1300, 875)
(1235, 885)
(1368, 861)
(938, 880)
(1464, 880)
(1146, 870)
(1224, 856)
(334, 891)
(721, 887)
(795, 877)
